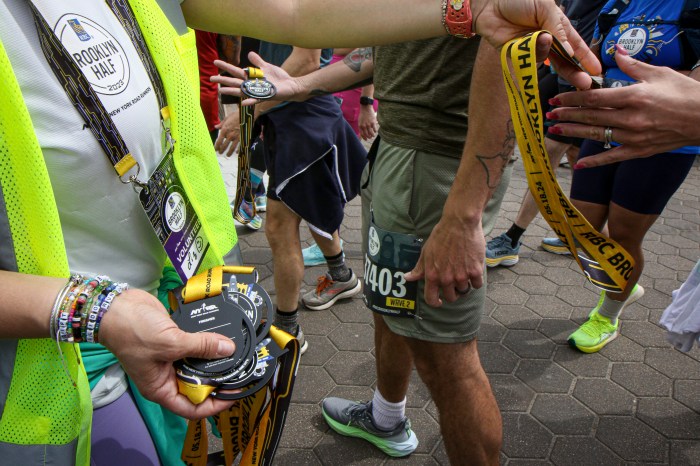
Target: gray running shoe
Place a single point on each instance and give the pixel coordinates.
(354, 419)
(298, 334)
(328, 291)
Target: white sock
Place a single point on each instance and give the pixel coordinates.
(611, 309)
(387, 415)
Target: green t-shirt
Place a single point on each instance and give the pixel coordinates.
(423, 92)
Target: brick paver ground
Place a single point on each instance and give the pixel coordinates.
(635, 402)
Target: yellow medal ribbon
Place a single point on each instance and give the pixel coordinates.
(605, 263)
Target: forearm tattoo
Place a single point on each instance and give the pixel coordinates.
(354, 59)
(493, 173)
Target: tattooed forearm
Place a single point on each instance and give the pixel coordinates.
(354, 85)
(354, 59)
(494, 165)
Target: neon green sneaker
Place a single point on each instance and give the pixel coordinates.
(598, 330)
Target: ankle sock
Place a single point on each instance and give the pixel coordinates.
(514, 233)
(287, 321)
(337, 268)
(611, 309)
(387, 415)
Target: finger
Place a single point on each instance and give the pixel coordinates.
(204, 345)
(256, 60)
(220, 144)
(230, 69)
(587, 116)
(573, 74)
(231, 149)
(431, 293)
(596, 133)
(633, 68)
(618, 97)
(449, 294)
(542, 47)
(226, 81)
(616, 154)
(556, 22)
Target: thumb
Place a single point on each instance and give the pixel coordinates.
(628, 65)
(206, 345)
(256, 59)
(417, 273)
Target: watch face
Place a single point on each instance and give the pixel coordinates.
(258, 88)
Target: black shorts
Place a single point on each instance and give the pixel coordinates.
(642, 185)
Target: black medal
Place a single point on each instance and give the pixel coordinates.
(258, 88)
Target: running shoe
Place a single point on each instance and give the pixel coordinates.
(314, 256)
(354, 419)
(261, 203)
(500, 251)
(555, 246)
(328, 291)
(245, 211)
(298, 334)
(303, 344)
(598, 330)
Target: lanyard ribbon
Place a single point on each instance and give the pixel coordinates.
(83, 96)
(603, 261)
(247, 122)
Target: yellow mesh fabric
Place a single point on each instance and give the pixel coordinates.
(43, 406)
(175, 57)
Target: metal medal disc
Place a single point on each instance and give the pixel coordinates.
(267, 355)
(248, 347)
(216, 315)
(258, 88)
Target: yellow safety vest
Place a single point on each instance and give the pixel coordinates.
(46, 415)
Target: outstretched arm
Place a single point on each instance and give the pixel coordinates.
(307, 23)
(355, 70)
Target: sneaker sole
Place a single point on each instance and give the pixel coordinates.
(304, 347)
(595, 348)
(344, 294)
(390, 448)
(506, 261)
(561, 250)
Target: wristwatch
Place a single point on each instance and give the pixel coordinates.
(364, 100)
(457, 18)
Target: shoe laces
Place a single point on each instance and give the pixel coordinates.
(323, 282)
(360, 411)
(500, 240)
(595, 326)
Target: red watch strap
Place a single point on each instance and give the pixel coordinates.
(458, 18)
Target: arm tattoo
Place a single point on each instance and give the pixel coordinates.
(504, 154)
(354, 59)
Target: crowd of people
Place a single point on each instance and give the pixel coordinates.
(93, 233)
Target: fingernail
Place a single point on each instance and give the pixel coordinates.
(554, 129)
(621, 49)
(225, 348)
(554, 101)
(551, 116)
(579, 166)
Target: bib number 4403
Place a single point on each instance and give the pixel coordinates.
(384, 281)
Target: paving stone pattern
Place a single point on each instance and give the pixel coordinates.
(635, 402)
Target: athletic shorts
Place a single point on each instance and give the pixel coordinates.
(407, 191)
(641, 185)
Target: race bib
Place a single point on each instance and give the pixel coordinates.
(389, 257)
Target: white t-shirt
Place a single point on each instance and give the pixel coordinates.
(104, 227)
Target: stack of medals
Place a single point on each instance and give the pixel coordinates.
(243, 312)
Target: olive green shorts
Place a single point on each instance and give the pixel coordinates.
(406, 193)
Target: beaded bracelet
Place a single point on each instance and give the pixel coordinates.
(79, 307)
